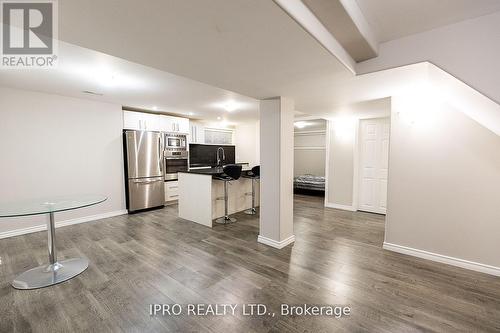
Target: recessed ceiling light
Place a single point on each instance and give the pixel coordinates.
(230, 106)
(190, 113)
(155, 108)
(300, 124)
(219, 118)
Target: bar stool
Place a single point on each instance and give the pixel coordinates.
(254, 175)
(230, 172)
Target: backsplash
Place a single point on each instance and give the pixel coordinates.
(206, 155)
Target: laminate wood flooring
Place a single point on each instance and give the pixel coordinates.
(155, 257)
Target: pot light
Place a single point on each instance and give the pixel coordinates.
(219, 118)
(301, 124)
(155, 108)
(230, 106)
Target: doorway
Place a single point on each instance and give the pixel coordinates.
(309, 157)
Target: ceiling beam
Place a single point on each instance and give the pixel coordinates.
(339, 25)
(359, 20)
(303, 15)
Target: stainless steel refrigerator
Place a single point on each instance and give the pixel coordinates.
(144, 169)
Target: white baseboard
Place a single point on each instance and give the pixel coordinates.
(276, 244)
(474, 266)
(41, 227)
(342, 207)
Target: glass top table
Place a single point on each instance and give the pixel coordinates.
(56, 271)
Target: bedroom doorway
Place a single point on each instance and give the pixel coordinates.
(309, 157)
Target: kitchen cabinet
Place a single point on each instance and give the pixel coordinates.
(183, 125)
(174, 124)
(140, 121)
(154, 122)
(197, 133)
(219, 136)
(171, 191)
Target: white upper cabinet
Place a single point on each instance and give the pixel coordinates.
(140, 121)
(174, 124)
(197, 133)
(166, 124)
(218, 136)
(152, 122)
(183, 125)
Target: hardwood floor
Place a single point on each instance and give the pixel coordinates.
(154, 257)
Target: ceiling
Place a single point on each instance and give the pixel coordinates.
(251, 47)
(130, 84)
(391, 19)
(244, 47)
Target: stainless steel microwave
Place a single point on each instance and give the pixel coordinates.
(175, 140)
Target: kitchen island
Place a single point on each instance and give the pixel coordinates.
(198, 193)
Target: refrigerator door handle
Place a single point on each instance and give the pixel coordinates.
(146, 182)
(160, 157)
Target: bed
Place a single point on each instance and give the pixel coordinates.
(309, 184)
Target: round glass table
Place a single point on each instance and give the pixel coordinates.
(56, 271)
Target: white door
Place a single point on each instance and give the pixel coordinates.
(374, 164)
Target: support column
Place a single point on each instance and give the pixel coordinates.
(276, 172)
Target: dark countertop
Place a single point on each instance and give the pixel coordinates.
(214, 166)
(211, 171)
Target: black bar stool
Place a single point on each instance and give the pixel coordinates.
(254, 175)
(230, 172)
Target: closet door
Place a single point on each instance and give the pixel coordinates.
(374, 162)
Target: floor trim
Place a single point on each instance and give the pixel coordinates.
(41, 227)
(276, 244)
(471, 265)
(342, 207)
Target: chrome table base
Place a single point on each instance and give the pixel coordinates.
(48, 275)
(251, 211)
(225, 220)
(56, 271)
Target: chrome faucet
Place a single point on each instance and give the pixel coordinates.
(218, 156)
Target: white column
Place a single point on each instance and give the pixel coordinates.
(276, 175)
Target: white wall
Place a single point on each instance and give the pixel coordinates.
(341, 140)
(468, 50)
(53, 145)
(444, 176)
(247, 142)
